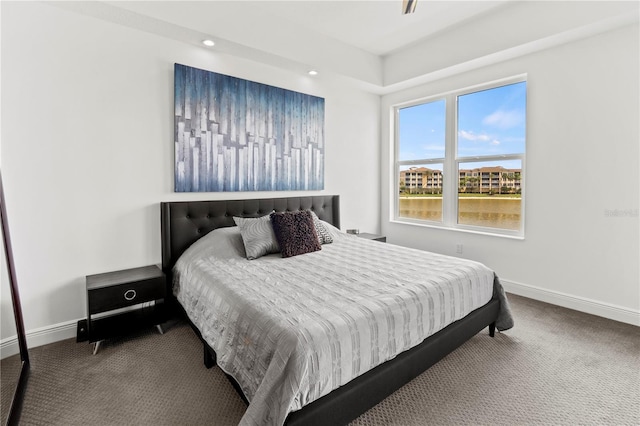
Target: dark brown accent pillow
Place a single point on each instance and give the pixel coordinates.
(295, 232)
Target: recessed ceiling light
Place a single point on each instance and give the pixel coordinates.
(208, 43)
(313, 72)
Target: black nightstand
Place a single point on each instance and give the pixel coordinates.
(373, 237)
(113, 291)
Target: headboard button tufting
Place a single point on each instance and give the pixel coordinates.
(181, 227)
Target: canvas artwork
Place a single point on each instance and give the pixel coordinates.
(238, 135)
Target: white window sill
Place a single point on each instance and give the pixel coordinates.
(459, 228)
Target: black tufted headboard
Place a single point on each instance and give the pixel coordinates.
(184, 222)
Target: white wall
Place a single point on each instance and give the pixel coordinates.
(582, 160)
(87, 149)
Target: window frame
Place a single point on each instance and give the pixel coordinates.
(451, 162)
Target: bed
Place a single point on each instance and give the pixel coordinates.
(315, 399)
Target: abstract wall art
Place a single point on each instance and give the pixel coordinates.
(238, 135)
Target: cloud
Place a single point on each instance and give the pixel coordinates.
(504, 119)
(471, 136)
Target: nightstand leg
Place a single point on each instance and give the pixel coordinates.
(159, 327)
(96, 346)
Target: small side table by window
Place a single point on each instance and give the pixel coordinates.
(113, 291)
(373, 237)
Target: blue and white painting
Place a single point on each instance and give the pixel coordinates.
(238, 135)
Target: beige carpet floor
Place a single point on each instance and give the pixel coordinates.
(556, 366)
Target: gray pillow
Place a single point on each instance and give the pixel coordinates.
(257, 236)
(324, 237)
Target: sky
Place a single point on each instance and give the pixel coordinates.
(490, 122)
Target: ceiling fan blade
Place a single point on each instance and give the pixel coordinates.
(409, 6)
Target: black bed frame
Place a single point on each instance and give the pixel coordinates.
(184, 222)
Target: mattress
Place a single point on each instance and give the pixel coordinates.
(290, 330)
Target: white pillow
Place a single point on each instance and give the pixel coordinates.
(221, 243)
(257, 236)
(324, 237)
(334, 232)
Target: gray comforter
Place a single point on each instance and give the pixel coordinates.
(292, 330)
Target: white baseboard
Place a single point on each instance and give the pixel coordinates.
(582, 304)
(40, 336)
(9, 347)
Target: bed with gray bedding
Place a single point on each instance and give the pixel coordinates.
(298, 330)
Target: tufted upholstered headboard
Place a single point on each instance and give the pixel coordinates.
(184, 222)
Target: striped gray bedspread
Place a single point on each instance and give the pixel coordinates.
(291, 330)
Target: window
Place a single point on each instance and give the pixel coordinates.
(460, 159)
(421, 154)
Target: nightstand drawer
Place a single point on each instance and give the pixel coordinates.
(122, 295)
(109, 292)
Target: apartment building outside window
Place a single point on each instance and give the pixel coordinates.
(460, 159)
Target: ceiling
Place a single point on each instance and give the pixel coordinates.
(369, 42)
(377, 27)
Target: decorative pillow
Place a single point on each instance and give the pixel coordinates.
(295, 233)
(324, 237)
(257, 236)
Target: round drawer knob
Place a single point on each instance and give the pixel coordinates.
(130, 294)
